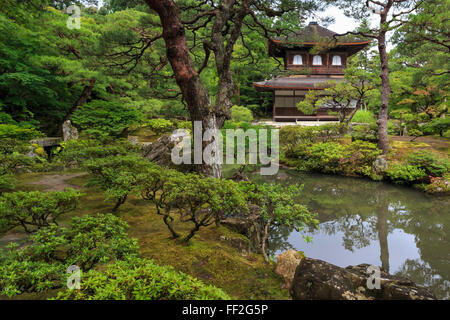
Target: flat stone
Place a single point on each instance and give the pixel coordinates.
(47, 142)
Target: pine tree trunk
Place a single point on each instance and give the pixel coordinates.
(194, 93)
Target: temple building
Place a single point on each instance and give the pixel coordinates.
(308, 69)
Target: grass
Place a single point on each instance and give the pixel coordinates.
(207, 256)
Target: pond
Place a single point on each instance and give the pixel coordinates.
(403, 230)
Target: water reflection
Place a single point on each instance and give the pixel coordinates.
(402, 230)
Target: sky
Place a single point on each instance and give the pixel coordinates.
(342, 23)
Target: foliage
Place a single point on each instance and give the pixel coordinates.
(437, 126)
(34, 210)
(355, 158)
(141, 279)
(160, 125)
(181, 124)
(42, 264)
(322, 157)
(197, 199)
(359, 158)
(405, 174)
(117, 175)
(279, 205)
(292, 136)
(76, 152)
(102, 118)
(19, 273)
(363, 116)
(12, 158)
(98, 239)
(365, 132)
(429, 162)
(12, 131)
(239, 113)
(439, 184)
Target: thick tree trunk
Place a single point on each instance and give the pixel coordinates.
(194, 93)
(383, 140)
(237, 95)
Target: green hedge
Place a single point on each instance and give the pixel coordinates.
(141, 279)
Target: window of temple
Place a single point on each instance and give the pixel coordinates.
(298, 59)
(337, 61)
(317, 60)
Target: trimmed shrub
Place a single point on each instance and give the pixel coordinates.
(141, 279)
(363, 116)
(437, 126)
(239, 113)
(359, 157)
(355, 158)
(42, 265)
(76, 152)
(429, 162)
(365, 132)
(321, 157)
(12, 131)
(160, 125)
(34, 210)
(405, 174)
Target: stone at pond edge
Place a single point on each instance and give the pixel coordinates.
(160, 151)
(69, 131)
(320, 280)
(380, 165)
(287, 263)
(248, 225)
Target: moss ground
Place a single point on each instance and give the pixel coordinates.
(207, 257)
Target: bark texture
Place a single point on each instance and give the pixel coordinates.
(194, 93)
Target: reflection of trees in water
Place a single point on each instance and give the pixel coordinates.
(278, 239)
(364, 211)
(357, 231)
(423, 275)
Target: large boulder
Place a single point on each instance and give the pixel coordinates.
(380, 165)
(160, 151)
(250, 225)
(69, 131)
(287, 263)
(319, 280)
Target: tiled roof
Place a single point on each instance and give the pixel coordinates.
(313, 33)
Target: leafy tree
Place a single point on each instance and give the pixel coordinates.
(199, 200)
(176, 18)
(118, 176)
(278, 206)
(346, 97)
(34, 210)
(391, 13)
(99, 118)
